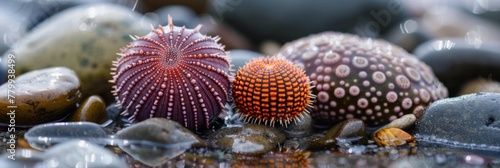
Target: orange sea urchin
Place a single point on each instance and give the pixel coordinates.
(271, 90)
(175, 73)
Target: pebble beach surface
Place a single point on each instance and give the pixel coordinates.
(89, 80)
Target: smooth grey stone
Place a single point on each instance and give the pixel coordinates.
(457, 61)
(471, 121)
(85, 38)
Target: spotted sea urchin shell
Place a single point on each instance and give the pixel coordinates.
(271, 90)
(367, 79)
(174, 73)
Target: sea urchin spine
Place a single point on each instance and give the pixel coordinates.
(174, 73)
(271, 90)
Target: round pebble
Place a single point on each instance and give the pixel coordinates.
(91, 34)
(41, 96)
(92, 109)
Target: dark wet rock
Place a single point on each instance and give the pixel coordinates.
(181, 16)
(44, 136)
(239, 58)
(41, 96)
(158, 131)
(91, 34)
(93, 109)
(21, 158)
(480, 85)
(470, 121)
(349, 131)
(303, 128)
(457, 61)
(76, 153)
(249, 138)
(260, 20)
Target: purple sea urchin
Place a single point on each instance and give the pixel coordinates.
(174, 73)
(271, 90)
(372, 80)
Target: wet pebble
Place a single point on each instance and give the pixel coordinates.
(351, 131)
(159, 131)
(79, 153)
(91, 34)
(470, 121)
(92, 109)
(405, 122)
(41, 96)
(392, 137)
(249, 138)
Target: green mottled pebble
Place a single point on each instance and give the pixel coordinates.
(41, 96)
(84, 38)
(93, 109)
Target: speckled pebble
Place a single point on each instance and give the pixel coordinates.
(249, 138)
(41, 96)
(85, 38)
(352, 129)
(93, 109)
(470, 121)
